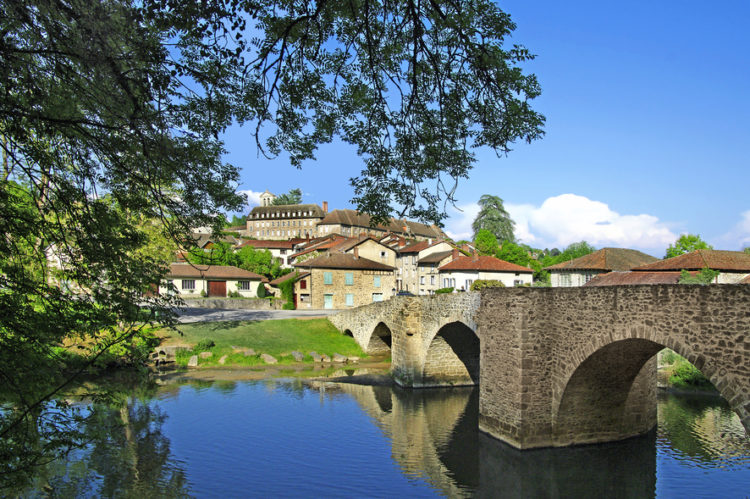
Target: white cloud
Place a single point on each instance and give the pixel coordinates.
(253, 198)
(569, 218)
(458, 226)
(739, 236)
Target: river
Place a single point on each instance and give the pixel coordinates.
(301, 438)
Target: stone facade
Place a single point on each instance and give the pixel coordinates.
(284, 221)
(363, 289)
(564, 366)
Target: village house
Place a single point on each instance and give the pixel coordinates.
(407, 263)
(280, 250)
(733, 266)
(428, 270)
(579, 271)
(343, 280)
(461, 272)
(212, 280)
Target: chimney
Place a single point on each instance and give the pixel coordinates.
(356, 252)
(455, 254)
(475, 256)
(325, 206)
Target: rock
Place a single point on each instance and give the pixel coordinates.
(223, 359)
(353, 360)
(298, 356)
(249, 352)
(193, 362)
(316, 357)
(205, 355)
(337, 357)
(268, 359)
(326, 358)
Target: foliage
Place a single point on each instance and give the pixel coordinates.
(287, 292)
(204, 345)
(493, 217)
(485, 242)
(480, 284)
(685, 244)
(514, 253)
(443, 291)
(261, 292)
(747, 250)
(236, 221)
(288, 306)
(573, 251)
(294, 196)
(686, 375)
(705, 276)
(259, 261)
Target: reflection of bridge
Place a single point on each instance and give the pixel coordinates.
(563, 366)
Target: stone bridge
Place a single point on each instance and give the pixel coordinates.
(562, 366)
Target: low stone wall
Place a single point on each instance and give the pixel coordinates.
(236, 303)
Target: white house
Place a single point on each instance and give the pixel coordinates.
(464, 270)
(579, 271)
(213, 280)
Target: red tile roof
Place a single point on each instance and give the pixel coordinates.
(292, 275)
(415, 248)
(606, 259)
(343, 261)
(631, 278)
(484, 263)
(730, 261)
(212, 272)
(267, 244)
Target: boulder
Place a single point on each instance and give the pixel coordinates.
(298, 356)
(193, 362)
(249, 352)
(268, 359)
(353, 359)
(205, 355)
(326, 358)
(223, 359)
(337, 357)
(316, 357)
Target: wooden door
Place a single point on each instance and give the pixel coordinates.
(217, 288)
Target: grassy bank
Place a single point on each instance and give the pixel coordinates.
(679, 373)
(275, 337)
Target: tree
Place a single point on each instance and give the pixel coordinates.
(294, 196)
(685, 244)
(747, 250)
(705, 276)
(493, 217)
(485, 242)
(128, 100)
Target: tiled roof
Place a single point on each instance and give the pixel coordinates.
(484, 263)
(292, 275)
(342, 261)
(435, 257)
(415, 248)
(631, 278)
(323, 245)
(730, 261)
(288, 211)
(606, 259)
(355, 219)
(266, 243)
(212, 272)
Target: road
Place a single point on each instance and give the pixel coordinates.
(214, 314)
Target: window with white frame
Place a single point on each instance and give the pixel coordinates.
(188, 284)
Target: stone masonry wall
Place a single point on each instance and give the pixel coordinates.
(563, 366)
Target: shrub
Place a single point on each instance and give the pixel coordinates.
(261, 290)
(486, 283)
(203, 293)
(204, 345)
(443, 291)
(288, 306)
(686, 375)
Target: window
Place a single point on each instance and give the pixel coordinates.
(382, 255)
(432, 280)
(303, 284)
(188, 284)
(421, 280)
(243, 285)
(565, 280)
(377, 297)
(587, 277)
(349, 299)
(349, 278)
(518, 282)
(468, 283)
(327, 277)
(328, 301)
(376, 281)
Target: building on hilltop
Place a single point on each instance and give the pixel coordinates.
(352, 223)
(266, 198)
(285, 221)
(579, 271)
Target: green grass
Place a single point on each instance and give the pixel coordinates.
(273, 337)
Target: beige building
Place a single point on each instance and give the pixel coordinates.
(408, 277)
(284, 221)
(343, 280)
(579, 271)
(461, 272)
(352, 224)
(211, 280)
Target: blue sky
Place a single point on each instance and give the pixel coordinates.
(648, 123)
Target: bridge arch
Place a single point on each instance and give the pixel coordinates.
(451, 356)
(611, 393)
(380, 340)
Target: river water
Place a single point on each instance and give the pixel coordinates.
(301, 438)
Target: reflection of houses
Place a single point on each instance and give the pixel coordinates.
(579, 271)
(343, 280)
(213, 280)
(462, 271)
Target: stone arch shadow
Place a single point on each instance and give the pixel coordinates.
(589, 406)
(379, 340)
(451, 356)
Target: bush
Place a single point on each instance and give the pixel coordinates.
(443, 291)
(203, 293)
(288, 306)
(261, 290)
(480, 284)
(204, 345)
(686, 375)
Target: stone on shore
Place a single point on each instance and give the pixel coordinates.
(205, 355)
(326, 358)
(353, 359)
(316, 357)
(193, 362)
(337, 357)
(268, 359)
(298, 356)
(249, 352)
(223, 359)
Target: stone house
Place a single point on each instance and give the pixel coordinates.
(579, 271)
(428, 270)
(351, 223)
(215, 280)
(407, 263)
(733, 266)
(343, 280)
(368, 247)
(462, 271)
(285, 221)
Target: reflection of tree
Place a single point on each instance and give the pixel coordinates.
(702, 427)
